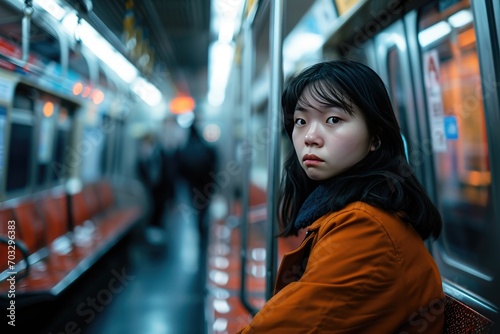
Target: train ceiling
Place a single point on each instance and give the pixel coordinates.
(178, 31)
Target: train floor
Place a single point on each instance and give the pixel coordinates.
(166, 293)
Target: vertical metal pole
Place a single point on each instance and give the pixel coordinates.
(63, 42)
(26, 26)
(274, 121)
(247, 70)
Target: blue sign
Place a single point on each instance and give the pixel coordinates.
(451, 127)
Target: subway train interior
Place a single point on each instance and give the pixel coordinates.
(90, 90)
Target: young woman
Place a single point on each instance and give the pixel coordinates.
(363, 266)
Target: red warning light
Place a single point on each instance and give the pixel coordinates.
(182, 104)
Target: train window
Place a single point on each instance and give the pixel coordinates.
(108, 146)
(21, 139)
(46, 110)
(117, 152)
(41, 177)
(19, 158)
(24, 98)
(396, 88)
(457, 126)
(79, 64)
(61, 142)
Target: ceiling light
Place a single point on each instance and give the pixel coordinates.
(461, 18)
(147, 91)
(220, 59)
(52, 7)
(433, 33)
(226, 31)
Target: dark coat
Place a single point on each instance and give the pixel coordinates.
(158, 174)
(197, 161)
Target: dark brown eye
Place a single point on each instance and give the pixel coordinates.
(299, 121)
(333, 120)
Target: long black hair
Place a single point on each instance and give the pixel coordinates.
(383, 178)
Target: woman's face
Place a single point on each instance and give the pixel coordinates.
(328, 140)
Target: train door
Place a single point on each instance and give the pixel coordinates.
(455, 90)
(445, 96)
(392, 63)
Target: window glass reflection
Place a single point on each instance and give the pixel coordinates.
(457, 126)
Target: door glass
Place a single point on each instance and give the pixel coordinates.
(59, 167)
(396, 87)
(19, 158)
(457, 125)
(47, 107)
(397, 92)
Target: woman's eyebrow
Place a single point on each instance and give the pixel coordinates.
(300, 108)
(334, 104)
(340, 108)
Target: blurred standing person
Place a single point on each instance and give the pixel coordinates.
(153, 170)
(197, 163)
(171, 138)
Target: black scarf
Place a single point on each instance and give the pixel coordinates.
(316, 205)
(384, 190)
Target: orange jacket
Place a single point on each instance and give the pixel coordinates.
(367, 272)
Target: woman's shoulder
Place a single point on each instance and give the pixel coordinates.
(371, 217)
(360, 223)
(356, 209)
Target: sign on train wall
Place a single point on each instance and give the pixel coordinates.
(344, 5)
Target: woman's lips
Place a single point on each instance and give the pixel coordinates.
(311, 160)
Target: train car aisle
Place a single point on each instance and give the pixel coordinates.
(166, 293)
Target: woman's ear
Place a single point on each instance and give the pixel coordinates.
(376, 143)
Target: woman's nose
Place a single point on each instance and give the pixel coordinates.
(313, 137)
